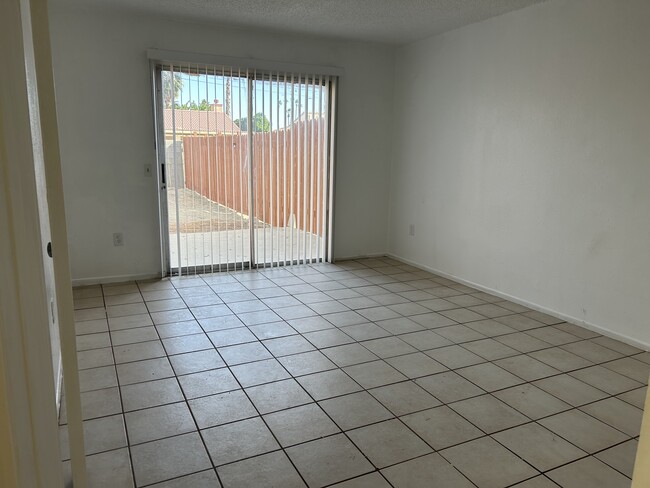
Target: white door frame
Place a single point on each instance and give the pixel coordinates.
(28, 416)
(59, 235)
(24, 335)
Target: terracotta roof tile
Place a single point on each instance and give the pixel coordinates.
(200, 121)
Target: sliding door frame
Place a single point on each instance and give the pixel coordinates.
(329, 84)
(250, 69)
(161, 167)
(328, 254)
(251, 184)
(164, 178)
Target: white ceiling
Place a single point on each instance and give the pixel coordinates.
(387, 21)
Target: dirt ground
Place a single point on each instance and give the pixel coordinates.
(198, 214)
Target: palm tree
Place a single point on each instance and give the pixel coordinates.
(228, 96)
(169, 94)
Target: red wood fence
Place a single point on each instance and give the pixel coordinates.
(289, 173)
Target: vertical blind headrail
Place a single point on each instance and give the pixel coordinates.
(262, 67)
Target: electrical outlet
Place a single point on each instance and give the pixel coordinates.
(411, 229)
(147, 170)
(118, 239)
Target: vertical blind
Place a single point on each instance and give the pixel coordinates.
(248, 166)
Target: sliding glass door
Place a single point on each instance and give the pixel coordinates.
(246, 167)
(290, 168)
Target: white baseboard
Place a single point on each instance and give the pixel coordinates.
(364, 256)
(99, 280)
(534, 306)
(113, 279)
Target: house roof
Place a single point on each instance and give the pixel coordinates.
(199, 121)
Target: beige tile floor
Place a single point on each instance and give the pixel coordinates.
(366, 373)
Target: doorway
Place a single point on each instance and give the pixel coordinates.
(246, 167)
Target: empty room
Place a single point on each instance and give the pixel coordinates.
(298, 243)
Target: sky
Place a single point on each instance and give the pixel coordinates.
(266, 96)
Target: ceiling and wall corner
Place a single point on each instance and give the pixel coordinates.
(384, 21)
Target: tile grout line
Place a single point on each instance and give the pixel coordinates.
(186, 402)
(343, 432)
(119, 390)
(254, 406)
(409, 379)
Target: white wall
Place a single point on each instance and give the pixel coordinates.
(106, 129)
(523, 158)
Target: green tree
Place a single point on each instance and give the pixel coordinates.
(260, 123)
(172, 84)
(192, 105)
